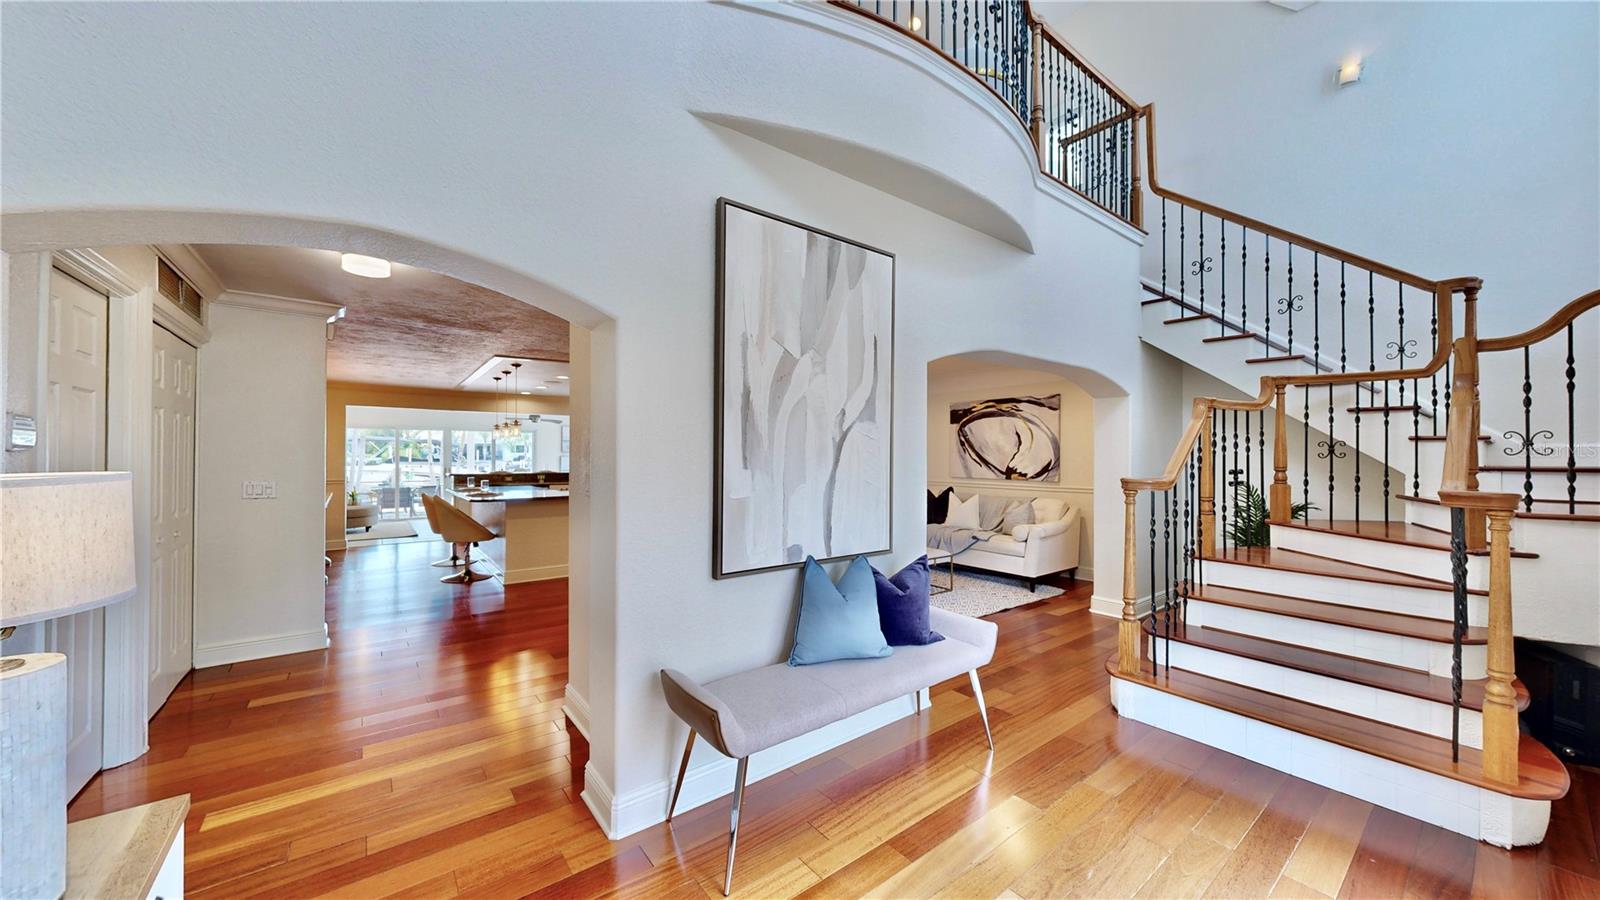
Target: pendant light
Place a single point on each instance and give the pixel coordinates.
(497, 429)
(516, 420)
(513, 427)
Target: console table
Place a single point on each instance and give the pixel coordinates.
(131, 854)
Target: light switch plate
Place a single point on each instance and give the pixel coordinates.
(260, 490)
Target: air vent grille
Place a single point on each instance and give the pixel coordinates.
(173, 286)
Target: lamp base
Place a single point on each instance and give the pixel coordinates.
(33, 770)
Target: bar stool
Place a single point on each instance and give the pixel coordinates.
(463, 531)
(433, 524)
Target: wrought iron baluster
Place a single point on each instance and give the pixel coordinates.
(1164, 247)
(1153, 596)
(1183, 266)
(1244, 292)
(1334, 451)
(1222, 277)
(1289, 305)
(1344, 356)
(1527, 430)
(1316, 312)
(1167, 547)
(1433, 379)
(1458, 577)
(1572, 432)
(1305, 452)
(1266, 287)
(1202, 263)
(1261, 445)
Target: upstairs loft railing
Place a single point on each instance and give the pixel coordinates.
(1083, 126)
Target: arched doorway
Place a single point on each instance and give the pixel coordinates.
(32, 239)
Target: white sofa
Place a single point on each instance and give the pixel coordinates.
(1030, 552)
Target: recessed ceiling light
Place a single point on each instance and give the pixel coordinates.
(563, 377)
(365, 266)
(526, 393)
(541, 387)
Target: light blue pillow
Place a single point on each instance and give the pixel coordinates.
(838, 622)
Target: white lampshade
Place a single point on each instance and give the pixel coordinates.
(66, 543)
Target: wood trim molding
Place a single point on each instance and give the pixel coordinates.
(292, 306)
(95, 270)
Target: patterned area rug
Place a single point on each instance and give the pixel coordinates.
(980, 593)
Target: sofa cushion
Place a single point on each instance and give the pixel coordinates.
(838, 621)
(939, 505)
(903, 605)
(992, 510)
(1003, 544)
(1020, 513)
(1049, 509)
(963, 513)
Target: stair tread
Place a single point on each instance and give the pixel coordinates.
(1541, 774)
(1419, 627)
(1406, 533)
(1307, 563)
(1345, 668)
(1292, 357)
(1542, 509)
(1581, 470)
(1230, 337)
(1197, 318)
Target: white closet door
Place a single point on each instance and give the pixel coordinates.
(75, 441)
(171, 514)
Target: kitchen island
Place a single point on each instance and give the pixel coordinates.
(531, 522)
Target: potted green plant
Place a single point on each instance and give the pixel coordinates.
(1250, 522)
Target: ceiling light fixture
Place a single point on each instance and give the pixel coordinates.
(916, 23)
(563, 377)
(497, 429)
(1350, 73)
(514, 427)
(365, 266)
(526, 393)
(542, 387)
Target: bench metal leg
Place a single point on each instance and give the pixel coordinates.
(917, 698)
(683, 769)
(983, 711)
(733, 832)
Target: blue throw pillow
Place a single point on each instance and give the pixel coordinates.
(838, 622)
(903, 606)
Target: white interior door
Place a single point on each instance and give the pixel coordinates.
(75, 441)
(171, 514)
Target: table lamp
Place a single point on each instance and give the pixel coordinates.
(66, 546)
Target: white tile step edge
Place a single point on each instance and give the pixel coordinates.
(1423, 562)
(1409, 601)
(1433, 657)
(1478, 813)
(1378, 704)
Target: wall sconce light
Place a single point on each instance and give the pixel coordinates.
(916, 23)
(1350, 73)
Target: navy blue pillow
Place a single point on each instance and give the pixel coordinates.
(903, 606)
(837, 621)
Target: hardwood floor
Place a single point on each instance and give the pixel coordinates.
(425, 754)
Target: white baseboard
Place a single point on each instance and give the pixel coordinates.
(533, 573)
(576, 709)
(260, 648)
(646, 805)
(1111, 607)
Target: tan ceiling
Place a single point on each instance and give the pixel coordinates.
(415, 328)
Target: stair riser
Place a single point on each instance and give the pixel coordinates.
(1466, 809)
(1546, 485)
(1429, 515)
(1424, 562)
(1408, 601)
(1373, 703)
(1433, 657)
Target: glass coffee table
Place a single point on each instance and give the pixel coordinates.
(937, 558)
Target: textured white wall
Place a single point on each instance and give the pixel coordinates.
(260, 416)
(587, 186)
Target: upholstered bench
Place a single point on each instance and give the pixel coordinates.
(750, 711)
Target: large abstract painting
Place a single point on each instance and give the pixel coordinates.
(805, 353)
(1011, 438)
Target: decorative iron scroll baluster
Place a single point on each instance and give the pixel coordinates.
(1334, 451)
(1572, 432)
(1266, 287)
(1458, 577)
(1527, 439)
(1344, 356)
(1222, 276)
(1202, 262)
(1164, 246)
(1316, 312)
(1244, 292)
(1305, 451)
(1289, 305)
(1153, 596)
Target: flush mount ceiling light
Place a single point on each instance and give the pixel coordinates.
(563, 377)
(365, 266)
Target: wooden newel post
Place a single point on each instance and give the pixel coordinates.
(1467, 352)
(1500, 731)
(1278, 503)
(1208, 502)
(1036, 114)
(1128, 630)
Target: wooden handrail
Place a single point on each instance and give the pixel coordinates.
(1089, 69)
(1100, 126)
(1561, 319)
